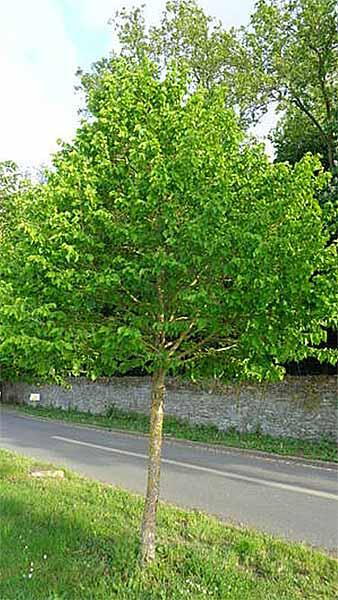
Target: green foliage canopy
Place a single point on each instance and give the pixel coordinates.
(162, 240)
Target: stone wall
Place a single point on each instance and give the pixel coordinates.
(299, 407)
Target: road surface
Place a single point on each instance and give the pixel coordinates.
(291, 498)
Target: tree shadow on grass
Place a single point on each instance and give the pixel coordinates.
(47, 556)
(76, 540)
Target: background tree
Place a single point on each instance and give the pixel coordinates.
(292, 47)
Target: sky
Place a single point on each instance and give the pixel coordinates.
(42, 43)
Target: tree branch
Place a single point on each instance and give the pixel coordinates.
(131, 296)
(297, 101)
(197, 346)
(202, 353)
(181, 338)
(161, 314)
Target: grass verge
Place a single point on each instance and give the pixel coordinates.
(75, 539)
(322, 450)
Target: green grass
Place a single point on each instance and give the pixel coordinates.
(75, 539)
(321, 450)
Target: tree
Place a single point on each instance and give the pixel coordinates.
(292, 47)
(162, 240)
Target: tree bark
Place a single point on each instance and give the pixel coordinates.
(148, 531)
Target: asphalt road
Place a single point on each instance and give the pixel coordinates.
(291, 498)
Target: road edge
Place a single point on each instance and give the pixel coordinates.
(217, 448)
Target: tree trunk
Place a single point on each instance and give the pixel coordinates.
(154, 467)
